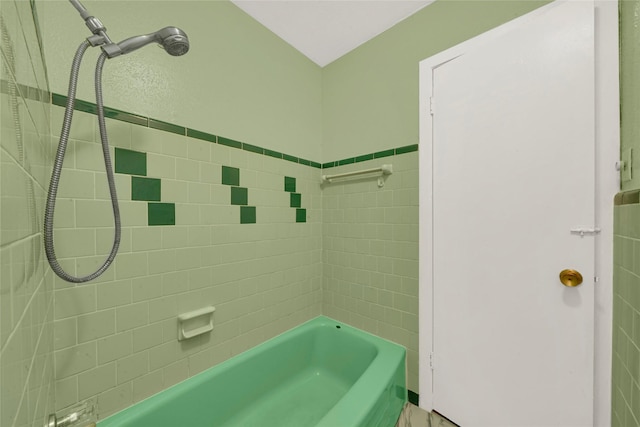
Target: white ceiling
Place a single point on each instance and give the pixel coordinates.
(324, 30)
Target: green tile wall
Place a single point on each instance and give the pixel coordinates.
(625, 390)
(26, 155)
(114, 339)
(626, 317)
(370, 252)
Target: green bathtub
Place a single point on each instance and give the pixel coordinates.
(321, 373)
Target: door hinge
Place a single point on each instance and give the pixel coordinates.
(431, 361)
(432, 103)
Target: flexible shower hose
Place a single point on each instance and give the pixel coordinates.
(57, 170)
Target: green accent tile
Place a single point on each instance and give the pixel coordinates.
(239, 196)
(130, 162)
(59, 100)
(145, 189)
(364, 158)
(346, 161)
(161, 213)
(123, 116)
(289, 184)
(253, 148)
(385, 153)
(304, 162)
(407, 149)
(247, 214)
(167, 127)
(328, 165)
(413, 397)
(33, 93)
(316, 165)
(290, 158)
(230, 176)
(201, 135)
(272, 153)
(301, 215)
(229, 142)
(295, 200)
(85, 106)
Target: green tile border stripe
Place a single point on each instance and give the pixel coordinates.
(371, 156)
(631, 197)
(26, 92)
(88, 107)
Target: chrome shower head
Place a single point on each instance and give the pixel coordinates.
(172, 39)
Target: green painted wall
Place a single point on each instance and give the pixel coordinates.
(630, 86)
(239, 80)
(370, 96)
(626, 286)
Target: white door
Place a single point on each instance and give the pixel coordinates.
(513, 173)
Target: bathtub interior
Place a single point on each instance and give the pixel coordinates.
(295, 379)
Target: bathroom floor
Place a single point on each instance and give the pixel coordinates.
(412, 416)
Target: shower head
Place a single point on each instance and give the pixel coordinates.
(172, 39)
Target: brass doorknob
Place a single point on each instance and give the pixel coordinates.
(570, 278)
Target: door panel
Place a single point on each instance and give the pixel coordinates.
(513, 173)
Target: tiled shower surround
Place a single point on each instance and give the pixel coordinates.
(245, 234)
(26, 285)
(626, 315)
(370, 253)
(117, 337)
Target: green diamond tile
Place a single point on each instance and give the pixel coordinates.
(296, 200)
(145, 189)
(161, 213)
(247, 214)
(230, 176)
(301, 215)
(130, 162)
(239, 196)
(289, 184)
